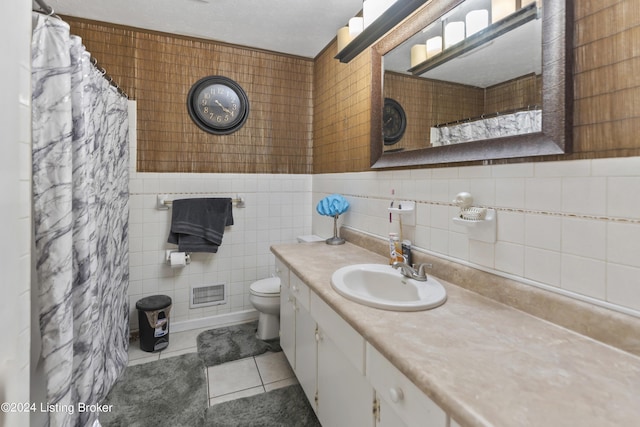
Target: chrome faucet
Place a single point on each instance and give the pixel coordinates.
(410, 272)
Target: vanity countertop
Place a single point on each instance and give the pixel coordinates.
(483, 362)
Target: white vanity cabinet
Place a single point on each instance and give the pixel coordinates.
(305, 339)
(400, 396)
(287, 314)
(345, 397)
(297, 330)
(346, 380)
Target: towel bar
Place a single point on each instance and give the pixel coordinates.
(164, 204)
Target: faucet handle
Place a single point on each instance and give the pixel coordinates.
(424, 265)
(399, 264)
(405, 269)
(420, 270)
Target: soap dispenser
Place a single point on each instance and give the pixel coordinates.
(395, 249)
(406, 252)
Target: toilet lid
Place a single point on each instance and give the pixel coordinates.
(266, 286)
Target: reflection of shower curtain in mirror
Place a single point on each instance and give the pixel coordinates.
(519, 123)
(80, 210)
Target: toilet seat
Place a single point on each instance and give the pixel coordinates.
(269, 287)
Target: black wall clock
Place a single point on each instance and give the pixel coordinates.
(218, 105)
(394, 121)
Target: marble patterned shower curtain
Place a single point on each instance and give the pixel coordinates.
(80, 210)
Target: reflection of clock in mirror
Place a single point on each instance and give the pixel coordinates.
(394, 121)
(218, 105)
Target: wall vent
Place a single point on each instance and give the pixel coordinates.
(202, 296)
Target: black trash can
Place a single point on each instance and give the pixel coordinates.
(153, 319)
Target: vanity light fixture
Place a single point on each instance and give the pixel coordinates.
(373, 9)
(418, 54)
(479, 39)
(434, 46)
(344, 37)
(501, 9)
(356, 25)
(391, 17)
(453, 33)
(349, 32)
(476, 20)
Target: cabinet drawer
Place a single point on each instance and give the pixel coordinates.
(282, 271)
(299, 290)
(343, 335)
(405, 399)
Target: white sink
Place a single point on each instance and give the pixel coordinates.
(381, 286)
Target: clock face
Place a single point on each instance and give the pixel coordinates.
(218, 105)
(394, 121)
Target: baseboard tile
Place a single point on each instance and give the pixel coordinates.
(215, 321)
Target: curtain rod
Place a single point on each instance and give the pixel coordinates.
(50, 12)
(46, 8)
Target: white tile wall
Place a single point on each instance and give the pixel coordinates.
(278, 209)
(15, 210)
(572, 226)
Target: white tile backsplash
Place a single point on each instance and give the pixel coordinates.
(584, 276)
(623, 286)
(543, 194)
(623, 243)
(278, 208)
(543, 231)
(585, 195)
(542, 265)
(510, 192)
(622, 166)
(516, 170)
(511, 227)
(571, 225)
(509, 258)
(482, 253)
(560, 224)
(622, 198)
(561, 169)
(584, 237)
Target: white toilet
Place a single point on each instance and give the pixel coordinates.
(264, 294)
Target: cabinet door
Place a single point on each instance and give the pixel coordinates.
(386, 416)
(345, 397)
(288, 325)
(347, 339)
(401, 396)
(306, 356)
(282, 271)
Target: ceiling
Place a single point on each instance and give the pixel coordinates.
(296, 27)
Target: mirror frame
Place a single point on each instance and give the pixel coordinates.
(557, 95)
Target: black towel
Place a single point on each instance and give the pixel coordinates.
(197, 225)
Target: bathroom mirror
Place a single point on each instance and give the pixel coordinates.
(501, 88)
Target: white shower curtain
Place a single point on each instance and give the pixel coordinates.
(80, 210)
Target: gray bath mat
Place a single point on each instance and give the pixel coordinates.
(230, 343)
(166, 392)
(284, 407)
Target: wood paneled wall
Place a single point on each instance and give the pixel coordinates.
(514, 94)
(606, 90)
(313, 116)
(342, 110)
(157, 70)
(607, 81)
(429, 102)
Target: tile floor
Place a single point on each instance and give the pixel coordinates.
(232, 380)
